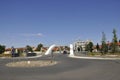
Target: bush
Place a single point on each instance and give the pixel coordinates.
(2, 49)
(94, 53)
(5, 55)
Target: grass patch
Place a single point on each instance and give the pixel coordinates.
(5, 55)
(94, 54)
(98, 54)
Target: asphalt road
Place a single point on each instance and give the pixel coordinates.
(66, 69)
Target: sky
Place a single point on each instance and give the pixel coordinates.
(61, 22)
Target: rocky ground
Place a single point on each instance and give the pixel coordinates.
(40, 63)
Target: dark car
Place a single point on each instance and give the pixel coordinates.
(31, 54)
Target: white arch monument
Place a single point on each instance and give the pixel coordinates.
(50, 49)
(52, 46)
(71, 50)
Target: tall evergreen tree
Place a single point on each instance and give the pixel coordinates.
(114, 36)
(104, 48)
(114, 42)
(103, 37)
(97, 47)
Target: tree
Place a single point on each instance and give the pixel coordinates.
(66, 48)
(97, 47)
(39, 47)
(29, 48)
(89, 47)
(114, 36)
(114, 42)
(2, 49)
(104, 48)
(103, 37)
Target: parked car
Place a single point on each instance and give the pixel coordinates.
(31, 54)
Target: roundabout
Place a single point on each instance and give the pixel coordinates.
(66, 68)
(28, 64)
(59, 67)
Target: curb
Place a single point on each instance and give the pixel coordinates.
(20, 57)
(97, 58)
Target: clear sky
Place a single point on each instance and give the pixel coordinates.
(30, 22)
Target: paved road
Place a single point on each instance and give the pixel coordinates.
(66, 69)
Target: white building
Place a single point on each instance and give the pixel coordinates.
(79, 45)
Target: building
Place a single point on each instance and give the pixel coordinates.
(80, 45)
